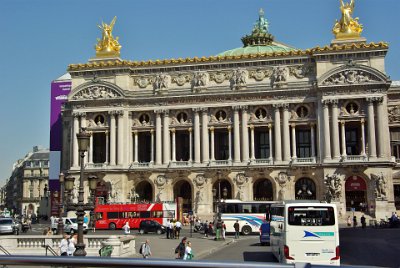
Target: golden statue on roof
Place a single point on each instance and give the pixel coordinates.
(347, 27)
(107, 46)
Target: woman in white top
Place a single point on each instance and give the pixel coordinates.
(64, 245)
(188, 251)
(127, 228)
(71, 245)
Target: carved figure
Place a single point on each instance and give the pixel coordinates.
(279, 75)
(162, 81)
(240, 178)
(200, 79)
(107, 46)
(334, 187)
(282, 179)
(304, 192)
(197, 200)
(380, 186)
(347, 27)
(239, 78)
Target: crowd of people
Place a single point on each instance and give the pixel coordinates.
(174, 228)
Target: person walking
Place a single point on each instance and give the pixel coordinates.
(355, 221)
(363, 222)
(180, 249)
(127, 228)
(64, 245)
(205, 227)
(145, 249)
(236, 226)
(348, 221)
(223, 230)
(71, 244)
(168, 228)
(188, 251)
(178, 227)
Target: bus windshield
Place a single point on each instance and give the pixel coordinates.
(311, 216)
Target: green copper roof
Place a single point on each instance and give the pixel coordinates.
(259, 41)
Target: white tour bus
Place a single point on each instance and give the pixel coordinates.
(305, 231)
(250, 214)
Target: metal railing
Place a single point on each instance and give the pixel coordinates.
(132, 262)
(4, 250)
(50, 249)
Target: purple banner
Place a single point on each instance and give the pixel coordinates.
(59, 94)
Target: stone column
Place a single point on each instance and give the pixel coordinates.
(132, 144)
(371, 129)
(75, 149)
(286, 133)
(107, 147)
(112, 139)
(130, 137)
(166, 139)
(135, 133)
(335, 130)
(245, 135)
(120, 141)
(196, 135)
(277, 125)
(158, 138)
(91, 149)
(212, 144)
(294, 153)
(270, 142)
(381, 128)
(363, 137)
(152, 146)
(190, 144)
(327, 135)
(312, 140)
(83, 125)
(236, 135)
(173, 145)
(252, 152)
(205, 138)
(230, 142)
(343, 131)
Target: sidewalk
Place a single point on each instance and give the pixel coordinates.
(163, 248)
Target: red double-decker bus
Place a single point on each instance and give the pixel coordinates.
(114, 216)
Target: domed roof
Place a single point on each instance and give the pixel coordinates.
(259, 41)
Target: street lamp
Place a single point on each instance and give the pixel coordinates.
(83, 143)
(60, 227)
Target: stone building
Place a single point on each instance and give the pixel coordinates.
(262, 122)
(28, 183)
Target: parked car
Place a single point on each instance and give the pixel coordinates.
(70, 225)
(265, 233)
(150, 226)
(9, 226)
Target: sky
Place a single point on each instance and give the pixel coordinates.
(41, 38)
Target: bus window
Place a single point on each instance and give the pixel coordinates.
(99, 215)
(144, 214)
(112, 215)
(157, 214)
(169, 214)
(262, 208)
(246, 208)
(304, 216)
(134, 214)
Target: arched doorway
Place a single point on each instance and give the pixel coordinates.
(356, 193)
(262, 190)
(183, 189)
(305, 189)
(222, 189)
(144, 192)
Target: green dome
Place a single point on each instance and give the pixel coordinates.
(274, 47)
(259, 41)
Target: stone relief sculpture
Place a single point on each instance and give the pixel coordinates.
(282, 180)
(95, 92)
(197, 200)
(301, 71)
(260, 74)
(239, 78)
(394, 114)
(352, 76)
(200, 180)
(200, 80)
(161, 82)
(380, 186)
(160, 180)
(241, 179)
(279, 76)
(142, 82)
(333, 187)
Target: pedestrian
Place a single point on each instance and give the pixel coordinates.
(210, 228)
(223, 230)
(172, 234)
(180, 249)
(71, 244)
(178, 227)
(205, 229)
(127, 228)
(168, 228)
(188, 251)
(236, 226)
(64, 245)
(355, 221)
(363, 222)
(348, 221)
(145, 249)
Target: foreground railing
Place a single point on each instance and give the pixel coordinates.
(23, 261)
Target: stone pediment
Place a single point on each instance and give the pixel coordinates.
(352, 74)
(96, 90)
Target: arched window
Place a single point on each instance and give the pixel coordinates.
(262, 190)
(305, 189)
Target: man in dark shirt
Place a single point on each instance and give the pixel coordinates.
(180, 249)
(237, 228)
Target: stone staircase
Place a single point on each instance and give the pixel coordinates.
(358, 214)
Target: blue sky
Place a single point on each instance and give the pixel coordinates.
(40, 39)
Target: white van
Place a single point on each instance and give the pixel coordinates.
(70, 225)
(305, 231)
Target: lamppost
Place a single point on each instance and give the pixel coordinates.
(60, 227)
(83, 143)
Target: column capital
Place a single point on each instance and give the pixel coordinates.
(107, 132)
(161, 111)
(190, 130)
(270, 126)
(326, 102)
(362, 121)
(236, 108)
(244, 107)
(211, 129)
(116, 112)
(135, 132)
(293, 125)
(151, 131)
(79, 114)
(203, 110)
(197, 109)
(342, 122)
(378, 99)
(312, 124)
(172, 130)
(229, 128)
(251, 126)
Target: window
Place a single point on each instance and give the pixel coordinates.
(169, 214)
(397, 196)
(302, 111)
(352, 139)
(145, 214)
(395, 142)
(262, 144)
(144, 119)
(303, 143)
(157, 214)
(112, 215)
(306, 216)
(352, 108)
(261, 113)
